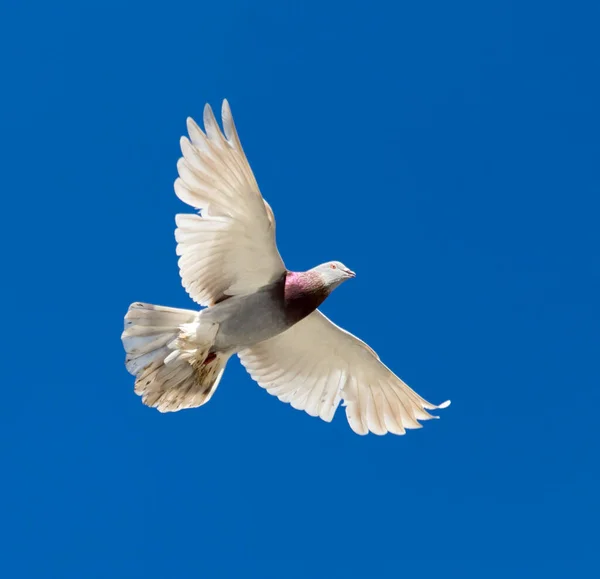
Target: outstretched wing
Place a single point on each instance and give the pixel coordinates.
(229, 249)
(316, 364)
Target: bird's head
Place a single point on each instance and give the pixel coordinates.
(333, 273)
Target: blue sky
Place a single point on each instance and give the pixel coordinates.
(446, 151)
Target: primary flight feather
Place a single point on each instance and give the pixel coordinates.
(254, 307)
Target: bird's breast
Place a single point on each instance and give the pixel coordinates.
(303, 294)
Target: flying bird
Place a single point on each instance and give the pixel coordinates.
(253, 307)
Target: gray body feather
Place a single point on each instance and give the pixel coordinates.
(247, 320)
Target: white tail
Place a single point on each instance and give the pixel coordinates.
(173, 367)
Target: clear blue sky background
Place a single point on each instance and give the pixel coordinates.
(446, 151)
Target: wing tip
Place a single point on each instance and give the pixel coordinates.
(445, 404)
(192, 126)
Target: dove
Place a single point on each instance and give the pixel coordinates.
(254, 307)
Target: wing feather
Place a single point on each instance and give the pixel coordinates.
(315, 364)
(229, 249)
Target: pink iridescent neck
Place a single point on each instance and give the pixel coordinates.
(304, 292)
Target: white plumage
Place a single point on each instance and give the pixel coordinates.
(315, 364)
(230, 249)
(229, 263)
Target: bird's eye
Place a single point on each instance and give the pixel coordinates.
(333, 266)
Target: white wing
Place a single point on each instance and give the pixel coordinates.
(229, 249)
(315, 364)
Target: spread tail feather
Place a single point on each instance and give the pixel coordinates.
(172, 371)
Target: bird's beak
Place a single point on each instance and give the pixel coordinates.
(350, 273)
